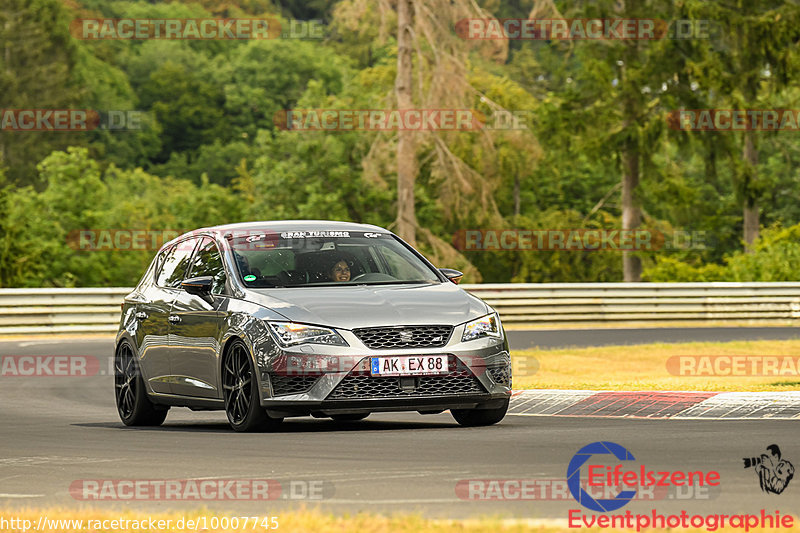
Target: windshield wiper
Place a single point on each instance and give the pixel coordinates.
(363, 283)
(398, 282)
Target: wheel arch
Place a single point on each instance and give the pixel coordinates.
(252, 332)
(226, 345)
(124, 336)
(229, 340)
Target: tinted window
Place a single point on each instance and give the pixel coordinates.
(176, 264)
(208, 262)
(326, 257)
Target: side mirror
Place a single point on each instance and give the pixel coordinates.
(453, 275)
(200, 286)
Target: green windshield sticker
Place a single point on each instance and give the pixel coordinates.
(249, 277)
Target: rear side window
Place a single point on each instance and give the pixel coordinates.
(152, 270)
(208, 262)
(176, 264)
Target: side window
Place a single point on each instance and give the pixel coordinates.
(152, 270)
(176, 264)
(208, 262)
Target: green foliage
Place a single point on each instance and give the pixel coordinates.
(775, 257)
(187, 106)
(312, 177)
(37, 62)
(540, 266)
(212, 153)
(36, 243)
(264, 77)
(670, 269)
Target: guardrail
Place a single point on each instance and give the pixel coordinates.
(96, 310)
(598, 303)
(85, 310)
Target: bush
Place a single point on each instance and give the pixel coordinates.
(775, 257)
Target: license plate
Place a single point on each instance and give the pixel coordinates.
(409, 365)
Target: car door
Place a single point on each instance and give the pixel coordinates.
(153, 316)
(195, 327)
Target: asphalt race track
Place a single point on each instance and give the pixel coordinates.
(58, 431)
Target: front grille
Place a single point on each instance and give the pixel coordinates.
(404, 337)
(361, 385)
(282, 385)
(500, 375)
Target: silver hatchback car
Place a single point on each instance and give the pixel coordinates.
(268, 320)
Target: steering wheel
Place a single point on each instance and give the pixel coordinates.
(374, 276)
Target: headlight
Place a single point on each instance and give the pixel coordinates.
(485, 326)
(291, 334)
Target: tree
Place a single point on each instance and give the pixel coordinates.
(614, 92)
(754, 58)
(188, 108)
(37, 55)
(406, 223)
(432, 71)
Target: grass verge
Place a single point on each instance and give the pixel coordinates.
(644, 367)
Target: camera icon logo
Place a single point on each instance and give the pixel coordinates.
(774, 473)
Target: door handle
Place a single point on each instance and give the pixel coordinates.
(174, 319)
(141, 315)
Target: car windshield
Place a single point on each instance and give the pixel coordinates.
(326, 258)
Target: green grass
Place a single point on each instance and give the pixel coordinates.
(644, 367)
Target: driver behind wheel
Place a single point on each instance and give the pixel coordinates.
(339, 270)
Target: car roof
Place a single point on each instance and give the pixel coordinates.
(295, 225)
(277, 226)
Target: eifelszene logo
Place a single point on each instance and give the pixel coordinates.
(774, 473)
(606, 476)
(612, 471)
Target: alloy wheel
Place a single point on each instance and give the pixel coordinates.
(237, 381)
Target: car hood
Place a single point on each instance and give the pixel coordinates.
(372, 305)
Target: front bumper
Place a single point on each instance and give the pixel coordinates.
(435, 404)
(479, 376)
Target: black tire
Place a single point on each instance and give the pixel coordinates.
(350, 418)
(479, 417)
(133, 405)
(240, 391)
